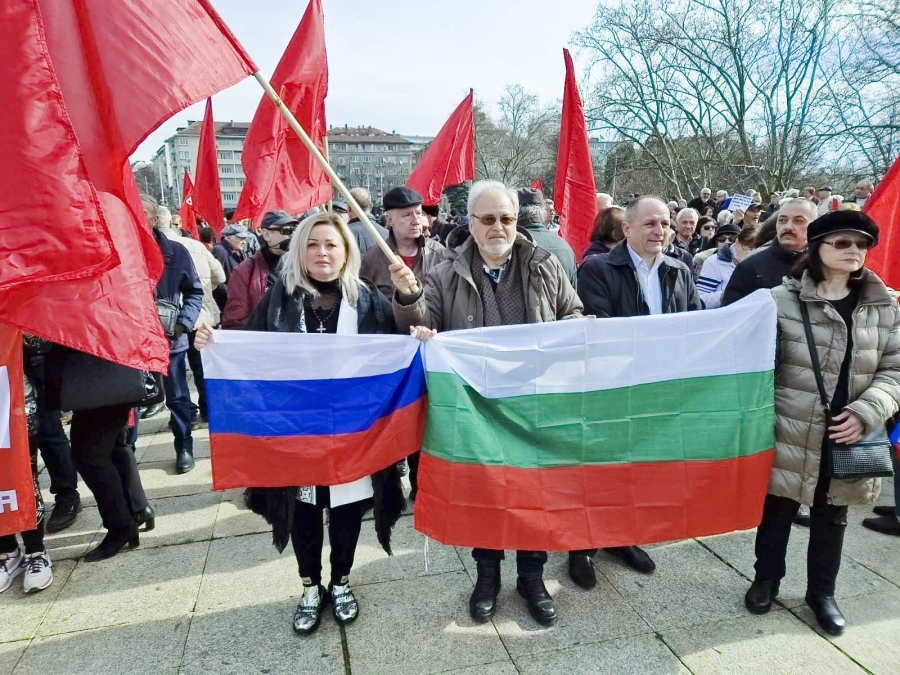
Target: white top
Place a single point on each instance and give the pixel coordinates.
(649, 280)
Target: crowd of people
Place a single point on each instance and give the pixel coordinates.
(502, 263)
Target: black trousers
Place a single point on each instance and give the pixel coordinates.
(308, 534)
(828, 523)
(529, 564)
(413, 461)
(107, 465)
(53, 444)
(32, 539)
(196, 365)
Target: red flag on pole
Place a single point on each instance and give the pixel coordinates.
(179, 53)
(207, 193)
(575, 192)
(883, 206)
(18, 508)
(450, 157)
(280, 171)
(187, 213)
(537, 184)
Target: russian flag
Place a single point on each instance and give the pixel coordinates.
(299, 409)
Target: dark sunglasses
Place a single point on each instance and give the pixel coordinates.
(844, 244)
(491, 219)
(730, 238)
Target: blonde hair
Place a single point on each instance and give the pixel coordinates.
(294, 273)
(849, 206)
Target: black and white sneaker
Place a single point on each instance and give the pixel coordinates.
(309, 611)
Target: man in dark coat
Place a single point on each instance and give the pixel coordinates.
(179, 285)
(533, 217)
(634, 279)
(703, 202)
(364, 239)
(767, 267)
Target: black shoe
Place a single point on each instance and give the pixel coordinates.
(885, 511)
(636, 558)
(184, 461)
(483, 601)
(147, 518)
(581, 571)
(802, 519)
(112, 543)
(64, 514)
(883, 524)
(760, 595)
(403, 468)
(827, 613)
(540, 604)
(152, 411)
(197, 421)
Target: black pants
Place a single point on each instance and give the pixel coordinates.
(196, 365)
(826, 540)
(413, 461)
(53, 444)
(308, 534)
(107, 465)
(32, 539)
(529, 564)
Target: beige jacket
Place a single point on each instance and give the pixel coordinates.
(208, 269)
(375, 264)
(451, 300)
(874, 382)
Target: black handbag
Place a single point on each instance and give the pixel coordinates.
(168, 316)
(88, 382)
(870, 457)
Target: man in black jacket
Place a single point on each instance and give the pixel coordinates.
(634, 279)
(767, 267)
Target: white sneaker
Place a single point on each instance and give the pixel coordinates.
(38, 571)
(11, 566)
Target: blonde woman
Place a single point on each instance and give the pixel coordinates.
(320, 291)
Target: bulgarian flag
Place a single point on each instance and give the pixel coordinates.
(599, 432)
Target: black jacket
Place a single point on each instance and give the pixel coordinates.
(364, 239)
(766, 268)
(608, 286)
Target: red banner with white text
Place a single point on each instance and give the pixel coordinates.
(18, 511)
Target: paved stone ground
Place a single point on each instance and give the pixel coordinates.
(207, 593)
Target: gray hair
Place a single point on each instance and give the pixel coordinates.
(163, 218)
(725, 217)
(483, 187)
(533, 213)
(362, 197)
(294, 273)
(810, 205)
(684, 211)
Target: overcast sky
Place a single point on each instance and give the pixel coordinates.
(402, 65)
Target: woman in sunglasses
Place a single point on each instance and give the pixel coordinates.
(724, 236)
(717, 269)
(855, 321)
(703, 234)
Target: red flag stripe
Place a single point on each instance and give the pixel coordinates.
(883, 206)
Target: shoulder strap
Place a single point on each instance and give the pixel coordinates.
(813, 354)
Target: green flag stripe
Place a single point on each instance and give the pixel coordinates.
(707, 418)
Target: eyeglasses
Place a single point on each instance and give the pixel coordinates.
(844, 244)
(491, 219)
(286, 230)
(726, 238)
(708, 227)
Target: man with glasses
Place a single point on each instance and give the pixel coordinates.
(498, 277)
(253, 277)
(703, 202)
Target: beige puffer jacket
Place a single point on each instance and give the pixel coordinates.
(210, 272)
(451, 300)
(874, 382)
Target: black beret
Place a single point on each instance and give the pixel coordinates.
(401, 198)
(434, 210)
(277, 219)
(842, 221)
(529, 196)
(730, 228)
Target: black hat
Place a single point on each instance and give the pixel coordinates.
(529, 196)
(339, 206)
(274, 220)
(433, 210)
(730, 228)
(401, 198)
(843, 221)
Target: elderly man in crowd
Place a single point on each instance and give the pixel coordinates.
(497, 278)
(363, 238)
(861, 194)
(533, 217)
(634, 279)
(703, 202)
(604, 201)
(685, 230)
(231, 251)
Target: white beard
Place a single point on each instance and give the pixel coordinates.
(497, 250)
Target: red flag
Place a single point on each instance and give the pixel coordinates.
(575, 192)
(207, 194)
(122, 67)
(281, 173)
(187, 213)
(18, 508)
(537, 184)
(883, 206)
(450, 158)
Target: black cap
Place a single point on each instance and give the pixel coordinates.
(530, 197)
(339, 206)
(434, 210)
(842, 221)
(730, 228)
(401, 198)
(274, 220)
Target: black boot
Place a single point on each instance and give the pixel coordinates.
(760, 595)
(582, 571)
(113, 542)
(827, 613)
(147, 518)
(483, 601)
(636, 558)
(184, 461)
(540, 604)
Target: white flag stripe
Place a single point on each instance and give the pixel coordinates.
(249, 355)
(5, 409)
(599, 354)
